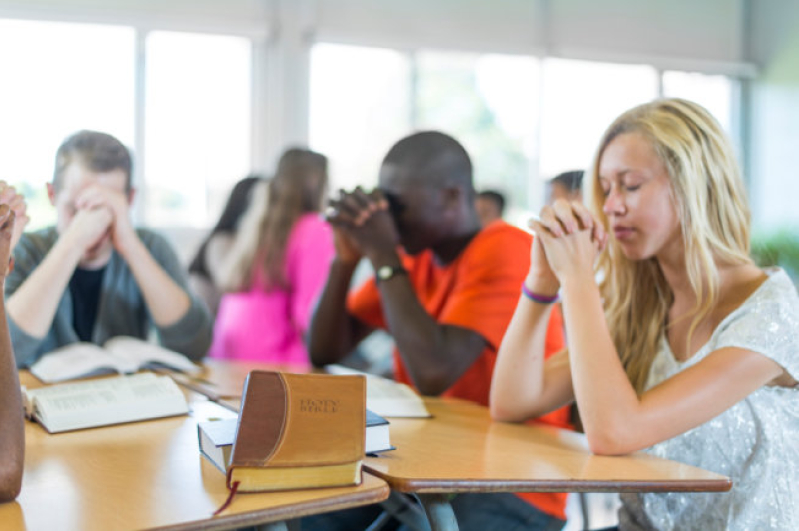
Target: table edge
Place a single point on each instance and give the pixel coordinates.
(287, 512)
(565, 485)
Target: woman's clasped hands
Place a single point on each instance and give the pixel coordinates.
(568, 239)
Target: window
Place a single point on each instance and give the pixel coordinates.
(522, 120)
(715, 93)
(360, 106)
(581, 99)
(197, 125)
(57, 79)
(490, 104)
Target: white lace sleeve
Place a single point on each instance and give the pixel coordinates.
(767, 323)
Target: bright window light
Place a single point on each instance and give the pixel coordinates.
(58, 78)
(197, 125)
(715, 93)
(490, 104)
(580, 100)
(360, 106)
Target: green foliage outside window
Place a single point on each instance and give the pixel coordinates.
(778, 248)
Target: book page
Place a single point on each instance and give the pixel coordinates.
(75, 361)
(386, 397)
(140, 354)
(108, 401)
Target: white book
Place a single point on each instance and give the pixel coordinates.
(217, 438)
(75, 406)
(386, 397)
(120, 354)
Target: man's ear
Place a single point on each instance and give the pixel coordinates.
(51, 193)
(131, 195)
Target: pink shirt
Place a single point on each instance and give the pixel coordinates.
(269, 325)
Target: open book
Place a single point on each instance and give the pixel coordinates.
(120, 354)
(386, 397)
(101, 402)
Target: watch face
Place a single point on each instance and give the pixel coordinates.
(385, 272)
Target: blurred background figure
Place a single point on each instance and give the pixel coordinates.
(204, 267)
(567, 185)
(276, 266)
(490, 205)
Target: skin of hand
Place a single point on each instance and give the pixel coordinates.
(570, 238)
(346, 249)
(364, 224)
(16, 203)
(90, 226)
(7, 231)
(118, 205)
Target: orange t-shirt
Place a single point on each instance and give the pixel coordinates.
(478, 290)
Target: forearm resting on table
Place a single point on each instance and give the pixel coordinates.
(332, 331)
(524, 385)
(12, 434)
(435, 355)
(166, 300)
(608, 403)
(34, 303)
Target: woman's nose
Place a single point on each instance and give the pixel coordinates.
(614, 203)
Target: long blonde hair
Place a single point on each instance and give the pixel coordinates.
(710, 200)
(298, 187)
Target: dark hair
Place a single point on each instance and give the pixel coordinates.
(494, 196)
(236, 204)
(433, 155)
(99, 152)
(571, 180)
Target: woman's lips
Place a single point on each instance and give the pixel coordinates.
(622, 233)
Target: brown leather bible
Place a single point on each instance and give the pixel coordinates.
(298, 431)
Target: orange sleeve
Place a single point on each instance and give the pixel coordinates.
(488, 284)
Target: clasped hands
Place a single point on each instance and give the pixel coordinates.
(568, 239)
(100, 212)
(362, 225)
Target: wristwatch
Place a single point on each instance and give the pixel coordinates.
(387, 272)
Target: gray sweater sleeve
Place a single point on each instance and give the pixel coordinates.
(28, 254)
(191, 335)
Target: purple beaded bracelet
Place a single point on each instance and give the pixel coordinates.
(535, 297)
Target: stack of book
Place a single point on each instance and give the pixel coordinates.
(294, 431)
(217, 436)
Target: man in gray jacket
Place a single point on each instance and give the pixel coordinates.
(94, 276)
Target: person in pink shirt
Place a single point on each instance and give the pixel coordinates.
(277, 266)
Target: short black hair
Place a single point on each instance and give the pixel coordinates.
(433, 155)
(571, 180)
(494, 196)
(99, 152)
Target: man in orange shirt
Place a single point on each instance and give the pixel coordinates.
(443, 288)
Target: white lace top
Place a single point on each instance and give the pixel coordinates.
(755, 442)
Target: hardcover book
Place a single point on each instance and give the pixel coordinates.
(298, 431)
(216, 438)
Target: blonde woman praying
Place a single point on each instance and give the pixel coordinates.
(685, 348)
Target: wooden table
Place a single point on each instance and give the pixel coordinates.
(462, 450)
(149, 475)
